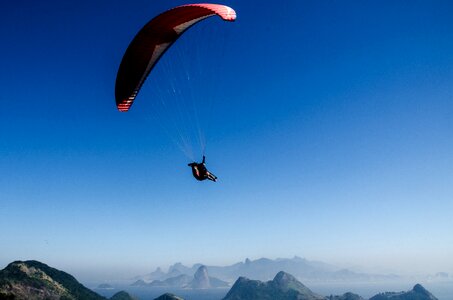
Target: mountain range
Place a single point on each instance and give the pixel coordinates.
(286, 287)
(265, 269)
(33, 280)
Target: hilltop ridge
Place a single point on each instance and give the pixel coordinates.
(33, 280)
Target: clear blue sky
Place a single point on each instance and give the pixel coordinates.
(333, 141)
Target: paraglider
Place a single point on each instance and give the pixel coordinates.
(150, 44)
(200, 172)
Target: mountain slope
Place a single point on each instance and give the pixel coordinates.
(33, 280)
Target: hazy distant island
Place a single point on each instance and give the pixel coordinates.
(33, 280)
(260, 269)
(200, 280)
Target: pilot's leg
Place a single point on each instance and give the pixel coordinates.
(212, 177)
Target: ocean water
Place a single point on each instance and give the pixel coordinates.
(441, 290)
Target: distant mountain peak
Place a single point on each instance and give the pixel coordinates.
(201, 278)
(201, 269)
(158, 272)
(139, 282)
(176, 266)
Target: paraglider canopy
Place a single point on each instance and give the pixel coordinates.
(153, 40)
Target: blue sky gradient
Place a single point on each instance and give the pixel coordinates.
(332, 141)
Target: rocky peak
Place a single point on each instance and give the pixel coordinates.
(283, 287)
(419, 289)
(284, 279)
(201, 278)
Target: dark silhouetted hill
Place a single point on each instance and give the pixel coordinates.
(346, 296)
(122, 296)
(33, 280)
(417, 293)
(168, 296)
(283, 287)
